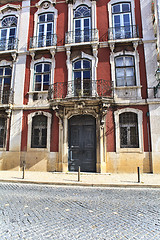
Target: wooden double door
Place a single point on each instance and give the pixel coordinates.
(82, 143)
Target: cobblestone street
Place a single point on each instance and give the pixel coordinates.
(47, 212)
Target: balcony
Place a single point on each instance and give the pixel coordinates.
(39, 42)
(81, 89)
(123, 32)
(8, 44)
(86, 36)
(6, 96)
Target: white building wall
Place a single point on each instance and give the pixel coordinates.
(19, 78)
(150, 50)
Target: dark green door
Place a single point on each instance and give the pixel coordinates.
(82, 143)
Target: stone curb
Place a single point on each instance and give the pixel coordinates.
(116, 185)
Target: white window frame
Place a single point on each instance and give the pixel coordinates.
(140, 130)
(72, 8)
(112, 2)
(14, 11)
(41, 10)
(93, 72)
(42, 74)
(41, 60)
(137, 73)
(30, 117)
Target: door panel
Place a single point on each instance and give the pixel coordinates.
(82, 144)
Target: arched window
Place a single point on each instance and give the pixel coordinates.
(125, 71)
(8, 33)
(82, 78)
(129, 136)
(39, 132)
(45, 29)
(121, 17)
(42, 76)
(5, 83)
(2, 132)
(82, 24)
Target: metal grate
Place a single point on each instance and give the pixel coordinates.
(129, 137)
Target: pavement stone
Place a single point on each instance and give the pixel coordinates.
(30, 211)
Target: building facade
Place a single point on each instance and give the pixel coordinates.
(78, 85)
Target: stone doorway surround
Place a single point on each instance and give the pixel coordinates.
(65, 110)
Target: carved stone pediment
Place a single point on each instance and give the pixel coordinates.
(45, 4)
(9, 8)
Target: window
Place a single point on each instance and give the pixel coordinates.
(2, 132)
(8, 33)
(129, 137)
(42, 76)
(125, 74)
(82, 78)
(45, 29)
(5, 82)
(121, 17)
(39, 132)
(82, 24)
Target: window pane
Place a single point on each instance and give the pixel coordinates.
(126, 19)
(120, 77)
(7, 81)
(116, 8)
(77, 65)
(46, 79)
(12, 32)
(77, 75)
(41, 29)
(38, 78)
(1, 71)
(130, 77)
(42, 18)
(44, 137)
(77, 23)
(86, 74)
(134, 136)
(117, 20)
(49, 27)
(39, 68)
(46, 67)
(125, 7)
(86, 23)
(123, 136)
(86, 64)
(8, 71)
(50, 17)
(129, 61)
(119, 62)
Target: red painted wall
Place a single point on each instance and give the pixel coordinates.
(61, 73)
(142, 69)
(102, 19)
(62, 22)
(138, 16)
(104, 69)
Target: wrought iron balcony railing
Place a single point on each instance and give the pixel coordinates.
(43, 41)
(123, 32)
(8, 44)
(79, 88)
(81, 36)
(6, 96)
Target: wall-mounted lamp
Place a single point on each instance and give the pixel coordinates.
(158, 79)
